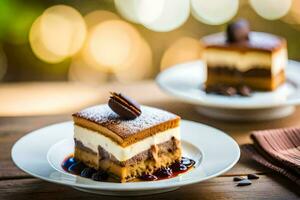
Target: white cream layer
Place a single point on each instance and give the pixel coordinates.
(92, 140)
(244, 61)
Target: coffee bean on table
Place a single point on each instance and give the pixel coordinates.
(238, 178)
(244, 182)
(252, 176)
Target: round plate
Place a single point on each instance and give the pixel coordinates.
(185, 81)
(40, 153)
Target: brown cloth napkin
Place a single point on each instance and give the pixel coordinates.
(277, 149)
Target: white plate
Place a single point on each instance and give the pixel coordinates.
(41, 152)
(184, 81)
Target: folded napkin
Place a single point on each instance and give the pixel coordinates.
(277, 149)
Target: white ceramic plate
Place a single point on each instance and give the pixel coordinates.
(41, 152)
(185, 80)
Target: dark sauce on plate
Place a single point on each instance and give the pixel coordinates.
(72, 166)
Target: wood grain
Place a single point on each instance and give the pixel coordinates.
(15, 184)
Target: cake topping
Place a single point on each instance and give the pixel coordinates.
(238, 31)
(124, 106)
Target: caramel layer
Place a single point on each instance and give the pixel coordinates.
(255, 82)
(256, 71)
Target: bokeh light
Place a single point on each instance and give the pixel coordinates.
(80, 71)
(214, 12)
(149, 10)
(39, 48)
(174, 14)
(110, 44)
(271, 9)
(156, 15)
(127, 9)
(293, 16)
(96, 17)
(139, 65)
(84, 70)
(182, 50)
(57, 34)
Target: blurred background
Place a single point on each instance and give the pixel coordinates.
(121, 45)
(99, 41)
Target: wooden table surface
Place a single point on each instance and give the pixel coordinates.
(15, 184)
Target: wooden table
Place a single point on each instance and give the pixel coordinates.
(15, 184)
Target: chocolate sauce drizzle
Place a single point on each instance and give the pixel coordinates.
(71, 165)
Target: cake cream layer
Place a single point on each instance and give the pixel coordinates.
(92, 139)
(126, 132)
(245, 61)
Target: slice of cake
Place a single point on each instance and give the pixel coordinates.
(240, 57)
(126, 148)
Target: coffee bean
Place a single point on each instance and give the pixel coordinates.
(244, 90)
(244, 182)
(100, 176)
(228, 91)
(124, 106)
(238, 178)
(238, 31)
(87, 172)
(252, 176)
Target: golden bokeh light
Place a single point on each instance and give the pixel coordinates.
(182, 50)
(127, 9)
(96, 17)
(293, 16)
(80, 71)
(139, 66)
(214, 12)
(149, 11)
(38, 47)
(63, 30)
(57, 34)
(173, 15)
(110, 44)
(271, 9)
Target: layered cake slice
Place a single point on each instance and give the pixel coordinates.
(126, 147)
(240, 57)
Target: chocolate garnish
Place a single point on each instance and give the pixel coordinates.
(124, 106)
(238, 31)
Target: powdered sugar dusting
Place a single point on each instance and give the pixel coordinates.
(104, 116)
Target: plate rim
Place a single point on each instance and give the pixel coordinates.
(176, 95)
(150, 185)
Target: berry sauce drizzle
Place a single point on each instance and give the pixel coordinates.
(72, 166)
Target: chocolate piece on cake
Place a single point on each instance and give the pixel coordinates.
(233, 58)
(127, 148)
